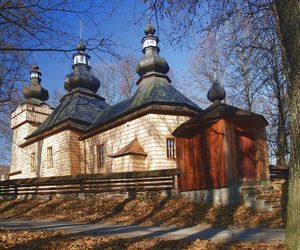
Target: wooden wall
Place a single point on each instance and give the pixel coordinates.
(201, 159)
(151, 131)
(66, 156)
(24, 120)
(252, 153)
(221, 154)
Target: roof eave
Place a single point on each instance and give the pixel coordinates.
(189, 125)
(151, 107)
(64, 125)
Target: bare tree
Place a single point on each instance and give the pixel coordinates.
(206, 66)
(288, 14)
(56, 96)
(108, 75)
(33, 25)
(128, 75)
(239, 44)
(193, 17)
(29, 26)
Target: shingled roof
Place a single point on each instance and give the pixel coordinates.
(80, 105)
(133, 148)
(151, 90)
(216, 112)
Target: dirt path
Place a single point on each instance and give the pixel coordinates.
(190, 233)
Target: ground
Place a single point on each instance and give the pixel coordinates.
(56, 240)
(144, 211)
(156, 211)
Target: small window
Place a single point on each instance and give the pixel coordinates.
(171, 148)
(49, 157)
(101, 158)
(32, 162)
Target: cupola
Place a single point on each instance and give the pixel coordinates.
(152, 62)
(35, 92)
(216, 93)
(81, 77)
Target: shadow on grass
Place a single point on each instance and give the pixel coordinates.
(21, 208)
(156, 209)
(83, 241)
(115, 211)
(11, 205)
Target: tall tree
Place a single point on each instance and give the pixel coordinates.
(128, 75)
(288, 13)
(118, 79)
(109, 82)
(202, 16)
(248, 47)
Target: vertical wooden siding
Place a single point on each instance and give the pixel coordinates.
(201, 159)
(246, 155)
(221, 154)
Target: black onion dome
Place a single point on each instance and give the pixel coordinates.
(149, 30)
(216, 93)
(81, 77)
(81, 47)
(152, 62)
(35, 91)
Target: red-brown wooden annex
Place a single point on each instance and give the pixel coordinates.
(221, 147)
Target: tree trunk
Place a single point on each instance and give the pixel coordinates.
(288, 14)
(282, 144)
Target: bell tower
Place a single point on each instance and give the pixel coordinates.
(26, 118)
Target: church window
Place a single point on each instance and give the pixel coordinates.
(32, 162)
(171, 148)
(101, 158)
(49, 157)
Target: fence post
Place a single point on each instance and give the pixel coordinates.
(81, 194)
(175, 181)
(16, 189)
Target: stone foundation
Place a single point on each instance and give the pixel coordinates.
(261, 196)
(220, 196)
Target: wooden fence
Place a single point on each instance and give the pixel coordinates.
(279, 173)
(92, 183)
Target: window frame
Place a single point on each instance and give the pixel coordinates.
(171, 148)
(101, 155)
(50, 157)
(33, 161)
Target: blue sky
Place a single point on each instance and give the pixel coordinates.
(122, 29)
(125, 27)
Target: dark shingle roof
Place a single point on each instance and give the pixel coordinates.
(219, 111)
(154, 89)
(79, 105)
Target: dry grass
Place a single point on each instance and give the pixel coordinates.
(160, 211)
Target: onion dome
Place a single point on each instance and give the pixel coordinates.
(34, 91)
(81, 75)
(216, 93)
(152, 62)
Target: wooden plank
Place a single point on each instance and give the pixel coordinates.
(70, 185)
(247, 155)
(81, 177)
(15, 173)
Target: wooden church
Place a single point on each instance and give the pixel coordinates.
(157, 128)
